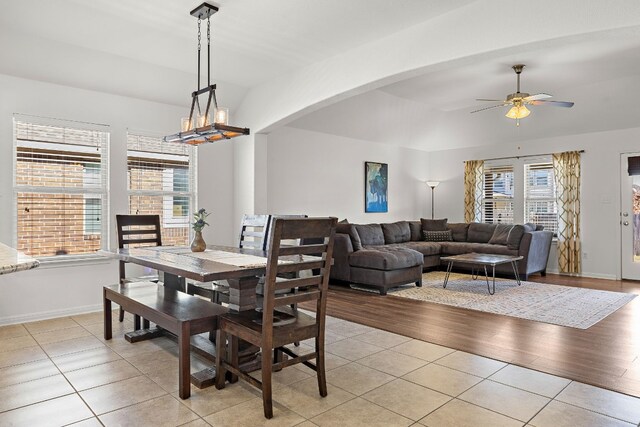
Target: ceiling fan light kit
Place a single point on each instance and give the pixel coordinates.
(198, 127)
(519, 100)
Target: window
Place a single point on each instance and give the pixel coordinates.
(497, 200)
(161, 181)
(61, 187)
(540, 195)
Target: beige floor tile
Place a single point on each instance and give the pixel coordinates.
(98, 375)
(331, 361)
(471, 364)
(61, 335)
(164, 411)
(196, 423)
(12, 331)
(329, 337)
(457, 413)
(351, 349)
(530, 380)
(71, 346)
(117, 395)
(442, 379)
(304, 398)
(392, 363)
(509, 401)
(306, 424)
(17, 395)
(85, 359)
(210, 400)
(382, 338)
(251, 413)
(91, 422)
(606, 402)
(50, 325)
(407, 399)
(285, 376)
(56, 412)
(422, 350)
(558, 414)
(360, 413)
(118, 329)
(27, 372)
(126, 349)
(150, 361)
(92, 318)
(348, 329)
(16, 343)
(166, 374)
(357, 379)
(23, 355)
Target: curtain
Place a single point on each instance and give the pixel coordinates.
(473, 190)
(566, 169)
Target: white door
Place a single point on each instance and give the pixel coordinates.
(630, 218)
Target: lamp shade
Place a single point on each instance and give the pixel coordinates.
(433, 184)
(518, 112)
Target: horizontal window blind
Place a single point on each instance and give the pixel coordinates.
(61, 188)
(540, 195)
(498, 192)
(161, 181)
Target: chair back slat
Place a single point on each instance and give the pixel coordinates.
(253, 231)
(296, 258)
(135, 230)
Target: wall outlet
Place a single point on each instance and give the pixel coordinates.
(584, 255)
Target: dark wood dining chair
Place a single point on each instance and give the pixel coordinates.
(137, 231)
(278, 325)
(253, 234)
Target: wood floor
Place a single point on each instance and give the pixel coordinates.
(605, 355)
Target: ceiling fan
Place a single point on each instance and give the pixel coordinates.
(520, 100)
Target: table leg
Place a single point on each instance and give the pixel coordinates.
(172, 281)
(242, 293)
(494, 280)
(515, 272)
(446, 276)
(474, 273)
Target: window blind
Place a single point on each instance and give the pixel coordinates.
(498, 191)
(161, 181)
(61, 187)
(540, 196)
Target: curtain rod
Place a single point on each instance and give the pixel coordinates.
(518, 157)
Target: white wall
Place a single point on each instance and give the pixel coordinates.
(47, 291)
(323, 175)
(600, 191)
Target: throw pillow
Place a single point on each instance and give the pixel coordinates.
(434, 224)
(437, 236)
(515, 236)
(501, 234)
(539, 227)
(370, 234)
(397, 232)
(529, 227)
(416, 230)
(459, 231)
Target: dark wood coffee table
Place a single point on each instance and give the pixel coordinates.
(482, 260)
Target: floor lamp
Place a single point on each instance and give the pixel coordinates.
(433, 185)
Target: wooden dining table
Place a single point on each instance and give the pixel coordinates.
(240, 267)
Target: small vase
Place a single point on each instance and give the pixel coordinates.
(198, 244)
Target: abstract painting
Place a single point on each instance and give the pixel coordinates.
(375, 187)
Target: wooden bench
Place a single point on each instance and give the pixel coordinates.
(181, 314)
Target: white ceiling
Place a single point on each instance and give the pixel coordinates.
(146, 49)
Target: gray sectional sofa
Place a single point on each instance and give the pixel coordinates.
(388, 255)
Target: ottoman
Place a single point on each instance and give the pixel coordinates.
(385, 267)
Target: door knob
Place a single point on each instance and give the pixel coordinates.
(625, 223)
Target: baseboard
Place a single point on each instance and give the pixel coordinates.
(587, 274)
(44, 315)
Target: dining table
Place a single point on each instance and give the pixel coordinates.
(12, 260)
(241, 268)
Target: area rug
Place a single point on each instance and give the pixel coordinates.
(559, 305)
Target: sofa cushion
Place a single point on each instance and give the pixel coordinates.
(425, 248)
(515, 236)
(433, 224)
(437, 236)
(529, 227)
(370, 234)
(416, 230)
(350, 230)
(386, 258)
(397, 232)
(458, 231)
(501, 234)
(480, 233)
(457, 248)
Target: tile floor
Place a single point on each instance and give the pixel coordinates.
(61, 372)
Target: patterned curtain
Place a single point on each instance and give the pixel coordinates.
(566, 168)
(473, 190)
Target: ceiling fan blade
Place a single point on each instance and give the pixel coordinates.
(488, 108)
(537, 97)
(491, 100)
(554, 103)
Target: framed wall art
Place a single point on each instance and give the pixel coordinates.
(376, 187)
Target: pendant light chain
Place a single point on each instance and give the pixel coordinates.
(209, 50)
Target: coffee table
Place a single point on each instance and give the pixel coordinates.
(482, 260)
